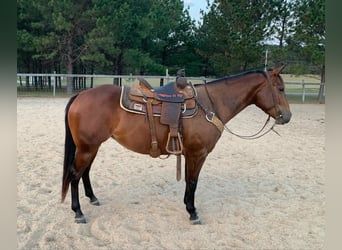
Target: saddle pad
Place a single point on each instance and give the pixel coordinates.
(139, 107)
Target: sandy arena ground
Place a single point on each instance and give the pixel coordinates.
(252, 194)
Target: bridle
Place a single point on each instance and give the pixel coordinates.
(275, 105)
(212, 117)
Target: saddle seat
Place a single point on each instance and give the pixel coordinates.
(171, 92)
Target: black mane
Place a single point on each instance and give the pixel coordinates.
(230, 77)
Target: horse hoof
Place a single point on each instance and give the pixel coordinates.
(80, 220)
(95, 202)
(196, 222)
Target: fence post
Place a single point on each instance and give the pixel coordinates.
(130, 79)
(167, 75)
(54, 84)
(303, 91)
(321, 92)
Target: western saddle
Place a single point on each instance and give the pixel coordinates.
(172, 102)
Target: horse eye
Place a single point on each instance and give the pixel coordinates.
(281, 89)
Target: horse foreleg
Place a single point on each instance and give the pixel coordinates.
(88, 189)
(189, 201)
(193, 167)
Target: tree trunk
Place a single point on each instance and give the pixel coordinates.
(92, 78)
(282, 32)
(322, 86)
(70, 87)
(164, 56)
(118, 69)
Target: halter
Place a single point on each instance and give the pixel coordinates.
(213, 118)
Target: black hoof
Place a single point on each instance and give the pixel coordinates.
(95, 202)
(80, 220)
(194, 220)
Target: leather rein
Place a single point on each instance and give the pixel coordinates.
(213, 118)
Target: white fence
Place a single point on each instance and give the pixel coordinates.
(52, 83)
(29, 84)
(305, 90)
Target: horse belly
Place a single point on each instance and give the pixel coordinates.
(133, 132)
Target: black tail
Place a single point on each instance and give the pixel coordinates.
(69, 151)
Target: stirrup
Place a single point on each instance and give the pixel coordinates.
(177, 148)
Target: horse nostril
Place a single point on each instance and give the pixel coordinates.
(286, 117)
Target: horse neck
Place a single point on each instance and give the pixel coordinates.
(230, 96)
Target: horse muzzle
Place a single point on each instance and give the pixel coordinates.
(283, 117)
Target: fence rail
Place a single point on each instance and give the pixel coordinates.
(305, 90)
(31, 84)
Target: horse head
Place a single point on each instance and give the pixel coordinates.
(272, 98)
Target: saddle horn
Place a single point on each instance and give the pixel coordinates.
(181, 80)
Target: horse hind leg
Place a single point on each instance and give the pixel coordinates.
(75, 203)
(81, 168)
(88, 188)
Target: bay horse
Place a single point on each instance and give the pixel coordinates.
(94, 115)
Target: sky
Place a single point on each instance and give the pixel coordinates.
(195, 7)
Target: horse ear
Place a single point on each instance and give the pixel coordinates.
(277, 71)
